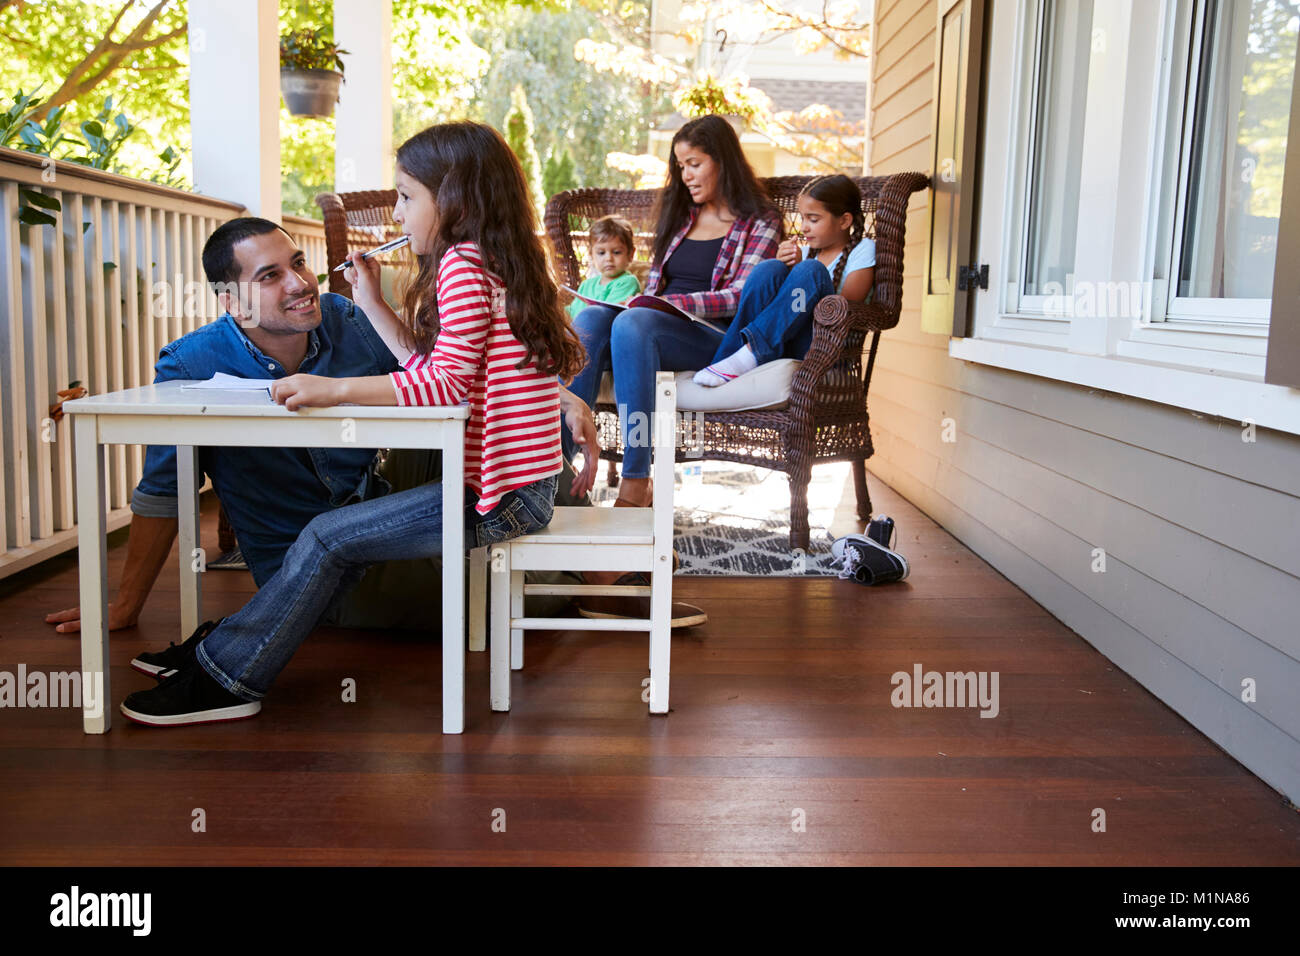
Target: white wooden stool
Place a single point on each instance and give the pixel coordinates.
(588, 539)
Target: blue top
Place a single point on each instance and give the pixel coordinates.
(690, 267)
(271, 493)
(861, 256)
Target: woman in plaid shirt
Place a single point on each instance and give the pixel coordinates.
(715, 222)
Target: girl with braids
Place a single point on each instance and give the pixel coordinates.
(775, 316)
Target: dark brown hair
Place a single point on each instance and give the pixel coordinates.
(480, 197)
(839, 195)
(741, 191)
(616, 228)
(219, 263)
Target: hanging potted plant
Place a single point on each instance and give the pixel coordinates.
(733, 99)
(311, 69)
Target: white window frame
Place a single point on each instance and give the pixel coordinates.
(1184, 39)
(1035, 308)
(1212, 361)
(1021, 318)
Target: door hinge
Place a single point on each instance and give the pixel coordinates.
(968, 276)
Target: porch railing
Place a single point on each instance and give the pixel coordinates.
(310, 236)
(90, 299)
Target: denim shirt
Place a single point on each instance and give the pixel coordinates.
(271, 493)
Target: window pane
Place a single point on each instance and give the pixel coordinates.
(1057, 149)
(1238, 149)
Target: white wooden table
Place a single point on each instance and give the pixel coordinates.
(166, 414)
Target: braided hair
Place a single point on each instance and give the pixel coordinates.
(839, 194)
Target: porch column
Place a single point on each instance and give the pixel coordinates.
(363, 120)
(235, 102)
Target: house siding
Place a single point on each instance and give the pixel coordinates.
(1202, 583)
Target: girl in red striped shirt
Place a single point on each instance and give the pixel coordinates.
(483, 324)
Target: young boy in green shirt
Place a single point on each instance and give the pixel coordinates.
(611, 251)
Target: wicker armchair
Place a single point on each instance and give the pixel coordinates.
(826, 417)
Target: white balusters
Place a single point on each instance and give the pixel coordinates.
(15, 515)
(64, 317)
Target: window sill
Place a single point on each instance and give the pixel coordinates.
(1231, 395)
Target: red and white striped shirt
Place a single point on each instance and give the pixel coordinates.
(512, 437)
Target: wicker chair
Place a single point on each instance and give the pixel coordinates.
(826, 417)
(360, 220)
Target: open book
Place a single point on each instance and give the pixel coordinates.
(233, 382)
(649, 302)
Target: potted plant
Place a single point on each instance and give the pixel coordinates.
(733, 99)
(311, 69)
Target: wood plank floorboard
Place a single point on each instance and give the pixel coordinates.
(781, 702)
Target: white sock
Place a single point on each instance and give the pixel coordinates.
(719, 373)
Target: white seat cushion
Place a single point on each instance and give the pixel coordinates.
(767, 386)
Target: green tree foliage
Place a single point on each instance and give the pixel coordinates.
(519, 134)
(558, 175)
(577, 108)
(435, 63)
(79, 54)
(306, 143)
(451, 60)
(1268, 83)
(137, 51)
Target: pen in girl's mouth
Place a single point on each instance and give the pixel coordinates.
(389, 246)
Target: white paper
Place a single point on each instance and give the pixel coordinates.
(222, 380)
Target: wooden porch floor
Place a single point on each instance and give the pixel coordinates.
(780, 702)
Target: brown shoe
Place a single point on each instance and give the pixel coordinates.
(681, 615)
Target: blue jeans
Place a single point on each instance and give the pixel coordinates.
(249, 649)
(635, 344)
(775, 316)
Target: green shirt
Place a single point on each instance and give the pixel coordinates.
(615, 290)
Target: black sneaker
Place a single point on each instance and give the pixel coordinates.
(230, 561)
(868, 562)
(163, 664)
(881, 530)
(191, 696)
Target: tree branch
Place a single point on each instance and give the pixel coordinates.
(106, 57)
(153, 41)
(823, 27)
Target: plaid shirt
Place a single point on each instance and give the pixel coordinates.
(749, 242)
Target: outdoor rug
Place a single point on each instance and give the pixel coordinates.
(735, 520)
